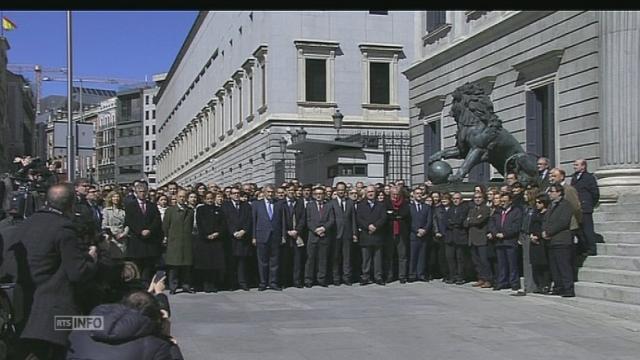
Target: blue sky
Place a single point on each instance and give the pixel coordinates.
(106, 44)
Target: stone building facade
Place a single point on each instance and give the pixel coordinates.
(246, 81)
(565, 84)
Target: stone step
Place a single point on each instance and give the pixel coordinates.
(629, 199)
(608, 276)
(616, 293)
(626, 215)
(628, 314)
(619, 249)
(629, 263)
(628, 226)
(620, 237)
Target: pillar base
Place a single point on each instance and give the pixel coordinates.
(615, 184)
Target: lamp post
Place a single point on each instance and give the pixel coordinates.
(71, 173)
(337, 122)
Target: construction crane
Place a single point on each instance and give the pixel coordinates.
(53, 74)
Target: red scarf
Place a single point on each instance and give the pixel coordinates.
(396, 206)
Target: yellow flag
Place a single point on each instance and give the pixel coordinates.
(8, 24)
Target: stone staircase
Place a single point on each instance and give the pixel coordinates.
(614, 274)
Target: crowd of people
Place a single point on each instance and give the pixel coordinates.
(120, 242)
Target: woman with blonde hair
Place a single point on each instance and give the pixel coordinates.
(113, 224)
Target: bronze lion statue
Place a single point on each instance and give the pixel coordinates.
(480, 137)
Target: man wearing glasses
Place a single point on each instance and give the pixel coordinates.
(543, 173)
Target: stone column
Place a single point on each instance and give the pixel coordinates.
(619, 172)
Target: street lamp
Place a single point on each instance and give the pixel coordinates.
(337, 122)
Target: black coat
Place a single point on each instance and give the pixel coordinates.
(294, 220)
(537, 252)
(365, 215)
(236, 221)
(56, 263)
(588, 191)
(313, 220)
(137, 245)
(403, 216)
(557, 223)
(207, 253)
(510, 228)
(457, 233)
(440, 222)
(127, 335)
(420, 220)
(84, 221)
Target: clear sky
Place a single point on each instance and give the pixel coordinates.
(106, 44)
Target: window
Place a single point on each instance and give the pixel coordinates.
(343, 170)
(378, 13)
(380, 76)
(153, 160)
(146, 130)
(146, 115)
(146, 145)
(153, 145)
(146, 161)
(379, 83)
(540, 122)
(153, 114)
(153, 127)
(316, 80)
(435, 19)
(146, 99)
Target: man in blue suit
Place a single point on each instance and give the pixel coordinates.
(421, 222)
(268, 223)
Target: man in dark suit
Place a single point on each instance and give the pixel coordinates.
(544, 170)
(293, 251)
(319, 221)
(421, 223)
(371, 217)
(556, 230)
(145, 232)
(344, 235)
(587, 187)
(398, 231)
(456, 240)
(505, 231)
(239, 226)
(56, 263)
(268, 225)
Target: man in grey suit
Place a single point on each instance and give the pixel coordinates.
(319, 220)
(344, 235)
(268, 226)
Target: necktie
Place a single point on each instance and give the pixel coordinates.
(344, 207)
(236, 205)
(320, 209)
(290, 204)
(371, 204)
(503, 217)
(419, 207)
(270, 210)
(143, 207)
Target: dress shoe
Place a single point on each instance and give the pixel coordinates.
(323, 284)
(347, 282)
(519, 293)
(337, 283)
(298, 285)
(568, 294)
(486, 285)
(275, 287)
(460, 282)
(515, 288)
(449, 281)
(478, 283)
(412, 280)
(262, 288)
(380, 282)
(365, 282)
(172, 291)
(208, 291)
(308, 285)
(244, 287)
(423, 279)
(498, 288)
(189, 290)
(403, 281)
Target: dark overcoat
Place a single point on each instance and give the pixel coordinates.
(209, 254)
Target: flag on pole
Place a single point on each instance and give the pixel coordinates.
(8, 24)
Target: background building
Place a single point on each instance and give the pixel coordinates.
(149, 151)
(4, 132)
(21, 117)
(106, 142)
(565, 84)
(129, 136)
(245, 83)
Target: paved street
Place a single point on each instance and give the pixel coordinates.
(414, 321)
